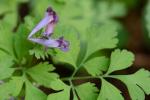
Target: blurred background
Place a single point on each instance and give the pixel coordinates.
(132, 17)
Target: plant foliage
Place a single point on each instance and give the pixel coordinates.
(28, 71)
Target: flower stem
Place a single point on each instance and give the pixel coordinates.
(79, 78)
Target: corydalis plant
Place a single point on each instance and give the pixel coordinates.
(49, 21)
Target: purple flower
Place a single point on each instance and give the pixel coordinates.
(49, 22)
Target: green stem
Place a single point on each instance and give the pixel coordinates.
(79, 78)
(76, 70)
(72, 86)
(19, 68)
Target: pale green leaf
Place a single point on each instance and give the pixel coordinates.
(63, 93)
(30, 22)
(8, 6)
(33, 93)
(109, 92)
(13, 87)
(100, 37)
(137, 83)
(8, 19)
(6, 62)
(120, 60)
(5, 71)
(87, 91)
(6, 43)
(39, 52)
(42, 73)
(58, 85)
(21, 43)
(97, 65)
(17, 83)
(75, 97)
(108, 10)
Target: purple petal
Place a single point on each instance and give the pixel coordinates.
(46, 42)
(63, 44)
(49, 17)
(41, 24)
(59, 43)
(49, 29)
(65, 49)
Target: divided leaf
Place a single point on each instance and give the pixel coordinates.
(63, 91)
(11, 88)
(6, 43)
(6, 62)
(97, 65)
(108, 10)
(120, 60)
(21, 44)
(100, 37)
(109, 92)
(137, 83)
(33, 93)
(8, 19)
(40, 73)
(64, 95)
(39, 52)
(87, 91)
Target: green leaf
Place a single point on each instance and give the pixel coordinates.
(8, 6)
(42, 73)
(109, 92)
(87, 91)
(147, 16)
(33, 93)
(58, 85)
(17, 83)
(6, 42)
(39, 52)
(13, 87)
(100, 37)
(8, 19)
(21, 43)
(6, 62)
(120, 60)
(64, 94)
(75, 97)
(137, 83)
(108, 10)
(5, 71)
(30, 22)
(97, 65)
(72, 37)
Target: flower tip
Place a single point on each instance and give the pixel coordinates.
(63, 44)
(64, 49)
(49, 9)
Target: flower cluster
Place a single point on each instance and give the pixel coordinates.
(49, 22)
